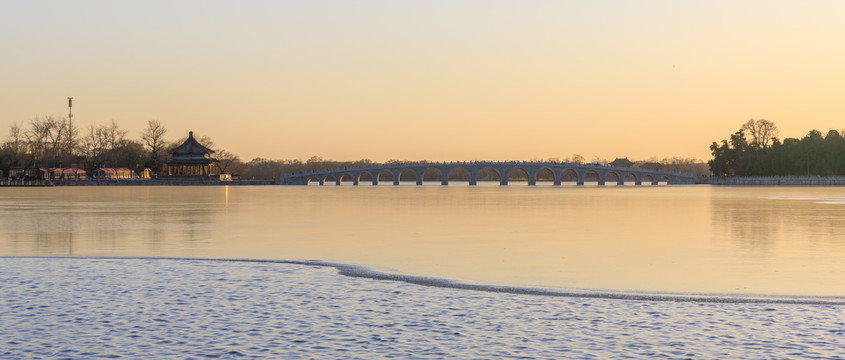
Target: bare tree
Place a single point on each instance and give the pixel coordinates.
(153, 137)
(100, 142)
(59, 131)
(229, 163)
(762, 132)
(112, 135)
(72, 145)
(37, 140)
(16, 143)
(91, 147)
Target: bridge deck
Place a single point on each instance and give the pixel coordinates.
(471, 170)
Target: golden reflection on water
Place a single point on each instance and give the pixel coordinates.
(677, 239)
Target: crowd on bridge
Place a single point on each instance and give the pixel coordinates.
(452, 163)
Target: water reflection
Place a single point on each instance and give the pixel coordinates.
(114, 220)
(761, 219)
(688, 238)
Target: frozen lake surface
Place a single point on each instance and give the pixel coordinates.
(433, 272)
(165, 308)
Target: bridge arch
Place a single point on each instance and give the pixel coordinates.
(631, 179)
(488, 175)
(591, 177)
(570, 176)
(406, 175)
(313, 181)
(330, 180)
(365, 177)
(459, 175)
(546, 175)
(385, 176)
(346, 178)
(517, 174)
(432, 175)
(665, 179)
(647, 179)
(612, 178)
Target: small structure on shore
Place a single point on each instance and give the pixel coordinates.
(621, 162)
(651, 166)
(145, 173)
(113, 174)
(20, 173)
(191, 159)
(58, 174)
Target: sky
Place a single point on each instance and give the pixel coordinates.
(430, 80)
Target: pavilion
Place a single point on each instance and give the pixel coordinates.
(191, 159)
(621, 162)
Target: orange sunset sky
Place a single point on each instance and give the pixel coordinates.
(435, 80)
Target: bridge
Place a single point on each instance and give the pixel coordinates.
(501, 171)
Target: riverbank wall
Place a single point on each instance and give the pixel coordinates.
(776, 181)
(25, 183)
(135, 182)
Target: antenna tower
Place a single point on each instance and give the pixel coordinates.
(70, 127)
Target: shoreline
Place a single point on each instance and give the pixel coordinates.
(716, 181)
(132, 182)
(776, 181)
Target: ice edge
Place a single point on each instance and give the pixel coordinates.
(360, 271)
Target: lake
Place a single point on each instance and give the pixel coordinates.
(741, 254)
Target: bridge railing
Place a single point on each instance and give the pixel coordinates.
(502, 167)
(484, 163)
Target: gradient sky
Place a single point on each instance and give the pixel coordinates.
(436, 80)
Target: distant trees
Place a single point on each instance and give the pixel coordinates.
(762, 132)
(107, 146)
(754, 150)
(685, 165)
(153, 138)
(261, 168)
(229, 162)
(47, 140)
(50, 141)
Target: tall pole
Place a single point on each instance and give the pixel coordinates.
(70, 129)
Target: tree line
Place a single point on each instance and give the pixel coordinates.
(52, 142)
(261, 168)
(755, 150)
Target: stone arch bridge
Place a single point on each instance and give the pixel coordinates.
(557, 172)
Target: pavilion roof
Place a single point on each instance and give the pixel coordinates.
(190, 146)
(621, 162)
